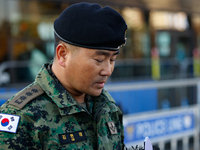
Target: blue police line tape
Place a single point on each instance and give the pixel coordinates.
(159, 126)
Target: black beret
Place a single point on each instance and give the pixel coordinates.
(90, 26)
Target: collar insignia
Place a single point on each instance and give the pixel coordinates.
(112, 128)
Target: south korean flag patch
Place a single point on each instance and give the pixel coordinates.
(9, 123)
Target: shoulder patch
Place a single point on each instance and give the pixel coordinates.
(26, 96)
(9, 123)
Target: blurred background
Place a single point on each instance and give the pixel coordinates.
(157, 74)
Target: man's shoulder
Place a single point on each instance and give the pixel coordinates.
(31, 101)
(25, 96)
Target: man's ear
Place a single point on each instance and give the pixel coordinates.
(61, 52)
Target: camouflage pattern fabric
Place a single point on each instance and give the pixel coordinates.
(54, 120)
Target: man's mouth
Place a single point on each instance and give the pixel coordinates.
(101, 84)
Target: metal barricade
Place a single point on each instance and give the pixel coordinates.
(171, 129)
(162, 127)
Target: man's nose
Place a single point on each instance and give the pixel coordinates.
(107, 69)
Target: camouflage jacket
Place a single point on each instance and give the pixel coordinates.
(51, 119)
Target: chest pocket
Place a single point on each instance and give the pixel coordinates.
(73, 133)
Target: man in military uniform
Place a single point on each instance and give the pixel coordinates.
(66, 107)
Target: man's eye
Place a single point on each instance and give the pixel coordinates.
(99, 60)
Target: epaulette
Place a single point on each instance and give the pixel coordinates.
(26, 96)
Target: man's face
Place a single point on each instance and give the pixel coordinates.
(88, 70)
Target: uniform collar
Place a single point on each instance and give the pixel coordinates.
(105, 99)
(54, 89)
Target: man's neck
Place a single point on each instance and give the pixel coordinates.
(80, 97)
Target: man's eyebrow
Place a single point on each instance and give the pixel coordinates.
(101, 52)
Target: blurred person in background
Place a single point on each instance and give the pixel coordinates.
(67, 107)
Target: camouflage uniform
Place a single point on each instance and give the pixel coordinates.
(50, 118)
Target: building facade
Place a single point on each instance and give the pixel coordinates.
(163, 38)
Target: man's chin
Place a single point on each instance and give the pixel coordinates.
(96, 93)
